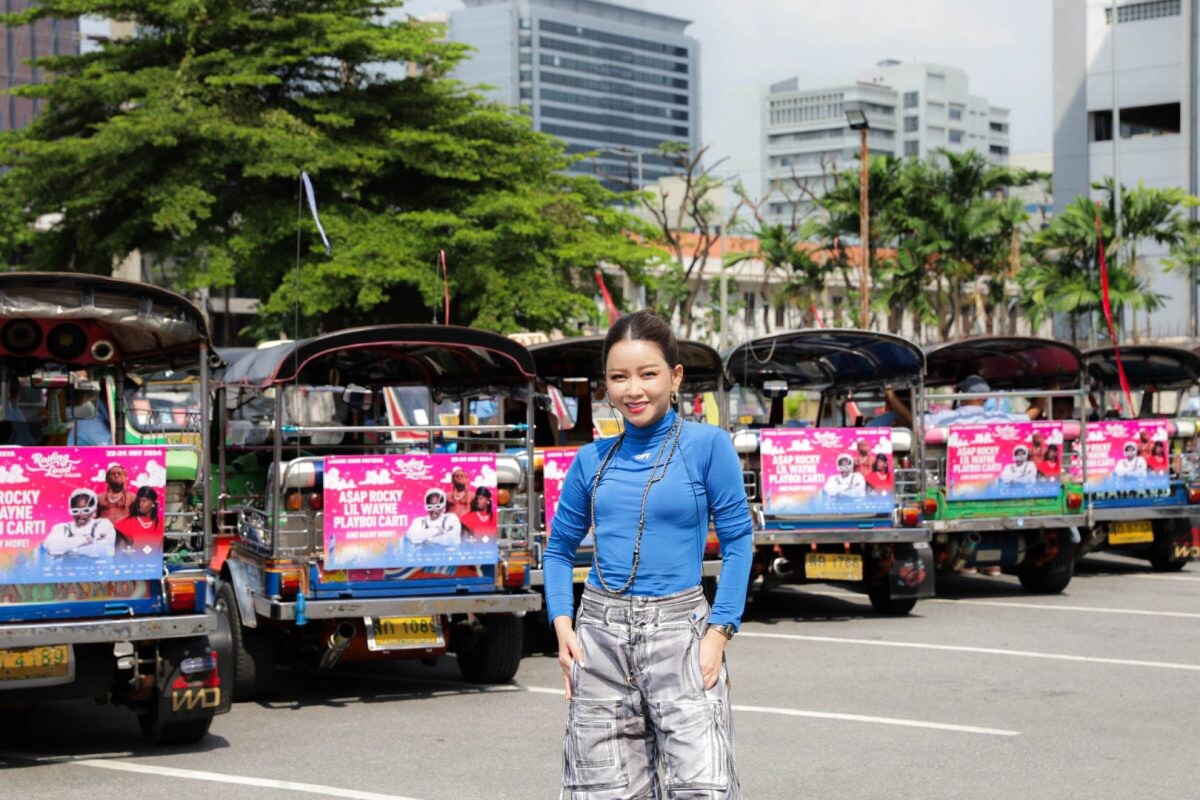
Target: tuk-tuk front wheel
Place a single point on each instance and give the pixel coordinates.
(253, 651)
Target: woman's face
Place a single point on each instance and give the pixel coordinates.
(482, 503)
(144, 506)
(880, 463)
(639, 381)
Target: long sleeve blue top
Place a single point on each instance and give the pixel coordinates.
(703, 480)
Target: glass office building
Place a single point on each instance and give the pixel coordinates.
(46, 37)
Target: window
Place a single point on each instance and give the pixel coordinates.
(998, 150)
(956, 112)
(525, 24)
(525, 58)
(912, 148)
(911, 99)
(1136, 12)
(911, 124)
(998, 127)
(525, 75)
(956, 137)
(526, 93)
(1139, 121)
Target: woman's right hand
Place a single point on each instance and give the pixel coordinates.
(568, 649)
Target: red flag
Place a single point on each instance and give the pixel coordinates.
(445, 286)
(608, 301)
(1112, 331)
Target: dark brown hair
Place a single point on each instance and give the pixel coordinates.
(646, 326)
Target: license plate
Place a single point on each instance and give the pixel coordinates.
(579, 574)
(833, 567)
(404, 633)
(1130, 533)
(37, 666)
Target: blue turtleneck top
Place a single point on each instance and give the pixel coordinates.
(703, 479)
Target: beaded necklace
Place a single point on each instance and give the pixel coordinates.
(655, 476)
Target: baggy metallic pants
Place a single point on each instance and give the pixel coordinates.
(640, 723)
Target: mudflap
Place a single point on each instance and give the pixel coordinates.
(196, 693)
(912, 573)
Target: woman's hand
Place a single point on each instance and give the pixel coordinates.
(568, 649)
(712, 652)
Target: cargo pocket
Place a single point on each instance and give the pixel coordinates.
(592, 757)
(694, 749)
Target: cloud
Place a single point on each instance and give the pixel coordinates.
(768, 447)
(801, 446)
(1160, 435)
(553, 470)
(155, 475)
(1055, 438)
(486, 477)
(333, 480)
(375, 477)
(883, 446)
(955, 440)
(13, 474)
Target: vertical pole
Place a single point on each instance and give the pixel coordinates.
(1193, 151)
(1116, 134)
(206, 448)
(864, 232)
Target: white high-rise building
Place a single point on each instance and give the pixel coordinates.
(603, 77)
(912, 109)
(1156, 85)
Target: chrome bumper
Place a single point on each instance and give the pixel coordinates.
(400, 606)
(841, 535)
(100, 631)
(1144, 513)
(1013, 524)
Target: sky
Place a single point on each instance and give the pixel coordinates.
(1003, 46)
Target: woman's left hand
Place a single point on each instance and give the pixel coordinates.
(712, 651)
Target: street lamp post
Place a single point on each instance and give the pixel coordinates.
(857, 119)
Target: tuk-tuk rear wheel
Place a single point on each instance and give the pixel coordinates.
(1053, 576)
(495, 654)
(882, 601)
(184, 731)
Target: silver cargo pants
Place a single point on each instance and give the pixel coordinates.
(640, 723)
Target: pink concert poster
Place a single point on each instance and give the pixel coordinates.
(1004, 460)
(827, 471)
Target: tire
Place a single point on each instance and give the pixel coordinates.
(1166, 562)
(253, 652)
(883, 602)
(187, 731)
(1053, 576)
(495, 654)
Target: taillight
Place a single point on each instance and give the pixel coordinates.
(1074, 500)
(503, 497)
(284, 578)
(930, 506)
(1194, 494)
(910, 516)
(289, 583)
(183, 593)
(294, 500)
(514, 569)
(316, 501)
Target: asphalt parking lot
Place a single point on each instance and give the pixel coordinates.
(985, 692)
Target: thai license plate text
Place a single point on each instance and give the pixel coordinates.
(833, 566)
(404, 633)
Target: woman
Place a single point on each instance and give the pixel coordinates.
(643, 665)
(142, 526)
(480, 520)
(1157, 460)
(1050, 467)
(879, 479)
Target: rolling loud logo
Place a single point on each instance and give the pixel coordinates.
(191, 699)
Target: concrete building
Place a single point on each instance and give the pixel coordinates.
(46, 37)
(603, 77)
(913, 110)
(1156, 83)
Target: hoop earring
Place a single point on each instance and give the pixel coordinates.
(674, 397)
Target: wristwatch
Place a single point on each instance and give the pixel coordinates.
(725, 630)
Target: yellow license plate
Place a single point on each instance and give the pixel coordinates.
(46, 665)
(579, 574)
(833, 567)
(1130, 533)
(404, 633)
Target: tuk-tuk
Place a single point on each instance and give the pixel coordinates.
(575, 413)
(375, 536)
(104, 543)
(1143, 477)
(1004, 464)
(836, 495)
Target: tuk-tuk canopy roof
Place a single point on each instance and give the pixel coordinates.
(1005, 362)
(146, 323)
(823, 358)
(446, 358)
(1146, 367)
(579, 358)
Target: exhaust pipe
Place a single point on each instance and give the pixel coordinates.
(781, 567)
(339, 640)
(966, 549)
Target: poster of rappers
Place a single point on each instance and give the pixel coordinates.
(81, 513)
(1004, 460)
(409, 510)
(1129, 455)
(827, 471)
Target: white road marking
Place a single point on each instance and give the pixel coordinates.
(1052, 607)
(240, 780)
(996, 651)
(1164, 577)
(787, 712)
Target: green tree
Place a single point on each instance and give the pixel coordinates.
(187, 141)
